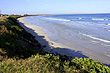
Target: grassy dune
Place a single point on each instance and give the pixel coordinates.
(21, 53)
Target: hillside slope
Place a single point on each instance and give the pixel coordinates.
(20, 52)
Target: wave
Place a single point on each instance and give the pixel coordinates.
(107, 19)
(97, 19)
(57, 19)
(108, 30)
(106, 41)
(80, 18)
(107, 55)
(100, 19)
(108, 23)
(94, 19)
(99, 43)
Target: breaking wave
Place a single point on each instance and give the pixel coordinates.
(106, 41)
(57, 19)
(100, 19)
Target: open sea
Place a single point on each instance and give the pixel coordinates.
(88, 33)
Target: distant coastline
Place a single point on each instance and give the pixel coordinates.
(63, 14)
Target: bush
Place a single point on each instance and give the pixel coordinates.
(89, 65)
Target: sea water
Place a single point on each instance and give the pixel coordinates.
(88, 33)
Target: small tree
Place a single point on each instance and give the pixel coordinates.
(25, 14)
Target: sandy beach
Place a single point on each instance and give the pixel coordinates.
(42, 37)
(70, 46)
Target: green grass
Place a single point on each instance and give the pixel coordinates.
(26, 58)
(37, 63)
(49, 63)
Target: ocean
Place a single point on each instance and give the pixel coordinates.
(87, 33)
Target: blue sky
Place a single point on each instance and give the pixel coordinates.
(54, 6)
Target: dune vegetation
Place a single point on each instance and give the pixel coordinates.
(21, 53)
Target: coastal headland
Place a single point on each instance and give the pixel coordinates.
(21, 51)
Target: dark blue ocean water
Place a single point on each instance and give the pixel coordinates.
(84, 17)
(89, 33)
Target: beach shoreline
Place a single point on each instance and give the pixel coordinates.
(60, 48)
(42, 38)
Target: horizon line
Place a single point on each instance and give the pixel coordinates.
(57, 13)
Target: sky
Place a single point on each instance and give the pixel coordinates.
(54, 6)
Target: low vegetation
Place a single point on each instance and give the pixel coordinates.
(21, 53)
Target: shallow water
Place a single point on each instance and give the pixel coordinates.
(88, 33)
